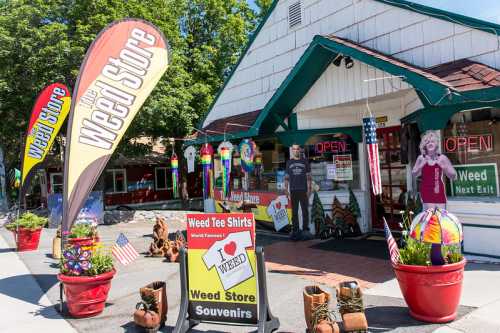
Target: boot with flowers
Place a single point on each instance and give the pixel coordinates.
(350, 304)
(315, 301)
(146, 315)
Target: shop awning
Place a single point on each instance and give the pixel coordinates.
(438, 87)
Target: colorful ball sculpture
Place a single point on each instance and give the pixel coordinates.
(437, 227)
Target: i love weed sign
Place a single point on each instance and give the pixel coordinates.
(222, 275)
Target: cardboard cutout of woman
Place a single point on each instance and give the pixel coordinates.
(431, 165)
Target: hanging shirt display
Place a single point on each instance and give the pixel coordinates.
(247, 154)
(190, 155)
(231, 259)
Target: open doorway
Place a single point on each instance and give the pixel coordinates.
(393, 174)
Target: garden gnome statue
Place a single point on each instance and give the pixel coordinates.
(430, 166)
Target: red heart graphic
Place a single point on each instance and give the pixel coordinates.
(278, 205)
(230, 248)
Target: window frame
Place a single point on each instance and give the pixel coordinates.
(52, 174)
(114, 171)
(166, 179)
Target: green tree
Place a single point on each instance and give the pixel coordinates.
(44, 41)
(215, 32)
(263, 6)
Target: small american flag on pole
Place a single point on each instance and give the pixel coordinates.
(391, 244)
(124, 251)
(370, 129)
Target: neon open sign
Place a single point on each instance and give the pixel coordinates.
(331, 147)
(469, 143)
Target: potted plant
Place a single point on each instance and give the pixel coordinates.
(27, 229)
(83, 234)
(86, 276)
(432, 292)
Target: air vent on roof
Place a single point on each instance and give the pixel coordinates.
(295, 14)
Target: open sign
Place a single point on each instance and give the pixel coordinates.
(469, 143)
(335, 147)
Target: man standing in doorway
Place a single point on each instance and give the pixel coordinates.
(298, 188)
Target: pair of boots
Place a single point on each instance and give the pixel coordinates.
(350, 304)
(151, 311)
(317, 314)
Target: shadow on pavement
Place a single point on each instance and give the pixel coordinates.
(6, 250)
(21, 288)
(130, 327)
(482, 267)
(365, 260)
(15, 286)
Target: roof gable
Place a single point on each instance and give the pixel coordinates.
(248, 100)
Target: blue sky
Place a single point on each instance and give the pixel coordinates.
(488, 10)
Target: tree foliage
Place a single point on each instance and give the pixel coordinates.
(44, 41)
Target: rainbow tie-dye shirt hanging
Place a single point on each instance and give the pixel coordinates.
(206, 153)
(247, 153)
(225, 158)
(174, 165)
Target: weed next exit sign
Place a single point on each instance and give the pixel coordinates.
(475, 180)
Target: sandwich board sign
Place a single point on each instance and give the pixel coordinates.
(223, 276)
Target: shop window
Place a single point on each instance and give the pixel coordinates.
(163, 178)
(56, 182)
(472, 143)
(115, 181)
(334, 161)
(265, 175)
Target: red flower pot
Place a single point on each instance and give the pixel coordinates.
(83, 242)
(432, 293)
(86, 295)
(27, 239)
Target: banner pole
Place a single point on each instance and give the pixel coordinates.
(267, 322)
(184, 323)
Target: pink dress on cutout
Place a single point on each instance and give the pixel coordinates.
(432, 186)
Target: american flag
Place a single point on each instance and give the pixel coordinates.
(124, 251)
(391, 244)
(370, 128)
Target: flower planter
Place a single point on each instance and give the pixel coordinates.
(86, 295)
(432, 293)
(83, 242)
(27, 239)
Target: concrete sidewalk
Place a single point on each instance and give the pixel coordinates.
(24, 307)
(385, 308)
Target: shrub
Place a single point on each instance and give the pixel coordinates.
(77, 261)
(28, 221)
(82, 230)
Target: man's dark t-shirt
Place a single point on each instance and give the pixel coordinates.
(297, 171)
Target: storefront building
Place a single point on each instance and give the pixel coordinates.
(315, 68)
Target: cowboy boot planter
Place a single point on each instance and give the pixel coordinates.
(350, 303)
(157, 290)
(322, 320)
(313, 297)
(146, 315)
